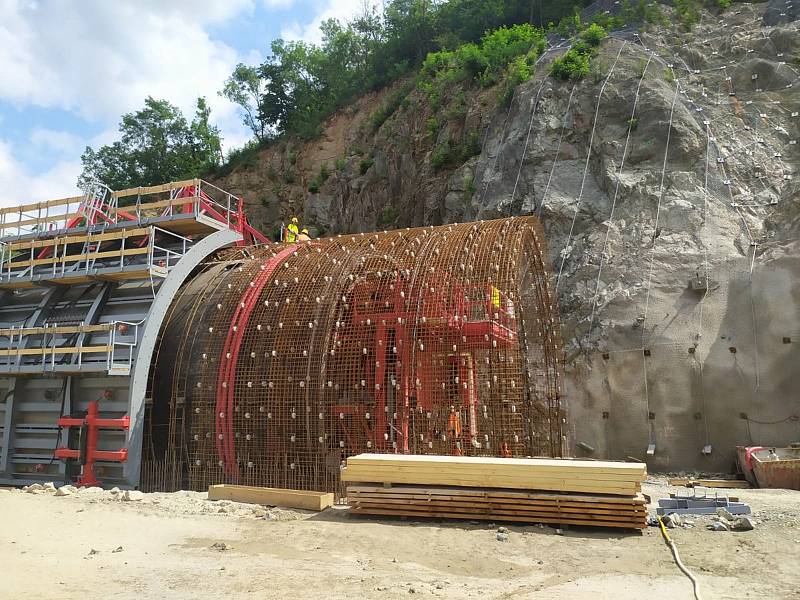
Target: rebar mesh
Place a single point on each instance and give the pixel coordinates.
(277, 363)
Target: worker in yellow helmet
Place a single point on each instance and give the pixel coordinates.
(292, 231)
(304, 237)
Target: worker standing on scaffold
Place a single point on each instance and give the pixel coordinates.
(454, 431)
(292, 230)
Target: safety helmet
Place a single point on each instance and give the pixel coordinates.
(294, 219)
(304, 231)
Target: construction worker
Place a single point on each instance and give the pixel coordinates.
(304, 237)
(292, 231)
(454, 431)
(495, 297)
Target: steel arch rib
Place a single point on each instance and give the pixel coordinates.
(229, 360)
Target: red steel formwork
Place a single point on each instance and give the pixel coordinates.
(277, 363)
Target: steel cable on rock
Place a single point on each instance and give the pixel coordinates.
(567, 249)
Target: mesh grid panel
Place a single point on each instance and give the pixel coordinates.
(277, 363)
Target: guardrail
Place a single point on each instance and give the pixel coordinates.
(121, 339)
(153, 249)
(101, 206)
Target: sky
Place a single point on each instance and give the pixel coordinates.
(69, 70)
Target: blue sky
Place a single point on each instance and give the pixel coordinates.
(69, 70)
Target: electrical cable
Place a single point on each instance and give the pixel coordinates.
(681, 566)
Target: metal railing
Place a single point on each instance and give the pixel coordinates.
(122, 329)
(153, 250)
(101, 207)
(115, 351)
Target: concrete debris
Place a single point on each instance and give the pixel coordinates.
(49, 487)
(502, 530)
(132, 496)
(672, 521)
(66, 490)
(742, 524)
(502, 537)
(117, 549)
(719, 526)
(725, 514)
(221, 546)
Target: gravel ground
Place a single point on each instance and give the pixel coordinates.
(98, 544)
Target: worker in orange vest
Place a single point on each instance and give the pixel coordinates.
(454, 430)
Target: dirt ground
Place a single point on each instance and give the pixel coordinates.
(95, 545)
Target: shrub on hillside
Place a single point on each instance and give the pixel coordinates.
(365, 165)
(593, 35)
(573, 65)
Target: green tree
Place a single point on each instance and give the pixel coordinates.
(157, 145)
(246, 88)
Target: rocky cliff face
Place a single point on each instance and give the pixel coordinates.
(667, 184)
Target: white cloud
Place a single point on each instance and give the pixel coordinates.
(60, 142)
(20, 186)
(343, 10)
(100, 59)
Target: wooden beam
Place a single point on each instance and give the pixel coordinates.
(271, 496)
(74, 258)
(619, 523)
(51, 351)
(154, 189)
(79, 239)
(712, 483)
(598, 477)
(39, 206)
(65, 329)
(45, 219)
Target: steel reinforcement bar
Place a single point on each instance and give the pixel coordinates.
(276, 363)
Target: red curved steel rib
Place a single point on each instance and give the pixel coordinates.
(227, 370)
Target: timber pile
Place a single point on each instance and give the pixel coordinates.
(593, 493)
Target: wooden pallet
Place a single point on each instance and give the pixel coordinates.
(499, 505)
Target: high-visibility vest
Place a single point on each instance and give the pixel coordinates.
(454, 424)
(495, 297)
(291, 232)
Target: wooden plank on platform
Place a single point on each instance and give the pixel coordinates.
(303, 499)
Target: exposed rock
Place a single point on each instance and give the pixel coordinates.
(629, 219)
(66, 490)
(725, 514)
(742, 524)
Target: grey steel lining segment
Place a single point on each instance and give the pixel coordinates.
(137, 388)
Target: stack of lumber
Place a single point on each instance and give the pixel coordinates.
(596, 493)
